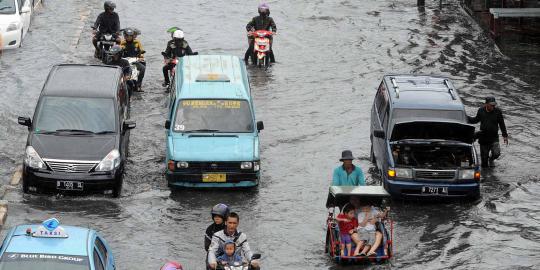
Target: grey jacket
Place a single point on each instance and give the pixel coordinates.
(218, 241)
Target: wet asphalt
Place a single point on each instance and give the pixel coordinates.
(314, 102)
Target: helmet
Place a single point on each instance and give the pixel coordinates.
(220, 209)
(171, 266)
(178, 34)
(109, 5)
(129, 32)
(115, 50)
(264, 9)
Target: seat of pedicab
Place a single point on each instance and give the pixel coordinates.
(339, 196)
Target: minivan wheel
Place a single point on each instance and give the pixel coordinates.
(117, 190)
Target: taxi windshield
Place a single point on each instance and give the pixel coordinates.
(7, 6)
(32, 261)
(213, 115)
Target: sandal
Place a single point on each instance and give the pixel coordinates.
(371, 253)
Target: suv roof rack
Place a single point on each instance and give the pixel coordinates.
(396, 87)
(450, 89)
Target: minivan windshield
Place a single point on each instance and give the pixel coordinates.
(213, 115)
(7, 7)
(91, 115)
(33, 261)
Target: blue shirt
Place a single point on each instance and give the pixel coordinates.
(341, 178)
(230, 259)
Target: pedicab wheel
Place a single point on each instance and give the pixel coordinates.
(117, 190)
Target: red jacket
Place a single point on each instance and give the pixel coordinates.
(346, 226)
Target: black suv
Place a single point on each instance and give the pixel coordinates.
(78, 138)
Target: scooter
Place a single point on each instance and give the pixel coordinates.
(132, 82)
(261, 47)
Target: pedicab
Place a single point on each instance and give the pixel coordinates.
(338, 198)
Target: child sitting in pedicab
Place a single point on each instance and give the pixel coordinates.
(347, 223)
(229, 256)
(369, 236)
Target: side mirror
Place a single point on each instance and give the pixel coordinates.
(167, 124)
(260, 125)
(379, 133)
(26, 9)
(25, 121)
(256, 256)
(129, 125)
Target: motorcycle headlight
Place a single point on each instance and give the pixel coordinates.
(110, 162)
(12, 27)
(466, 174)
(246, 165)
(32, 159)
(403, 173)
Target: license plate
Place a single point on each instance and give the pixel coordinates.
(69, 185)
(435, 190)
(214, 177)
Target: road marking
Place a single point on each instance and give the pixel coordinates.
(17, 176)
(3, 212)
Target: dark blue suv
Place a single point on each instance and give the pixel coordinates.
(420, 140)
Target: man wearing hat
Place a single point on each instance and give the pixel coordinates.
(348, 174)
(490, 118)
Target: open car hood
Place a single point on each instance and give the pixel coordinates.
(426, 130)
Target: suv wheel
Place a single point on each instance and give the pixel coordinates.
(25, 185)
(117, 190)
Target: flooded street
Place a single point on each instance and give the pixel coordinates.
(315, 102)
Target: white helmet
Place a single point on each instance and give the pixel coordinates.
(178, 34)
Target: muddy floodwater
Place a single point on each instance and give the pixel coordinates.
(314, 102)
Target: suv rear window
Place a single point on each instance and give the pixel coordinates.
(418, 114)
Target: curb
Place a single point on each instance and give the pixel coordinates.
(15, 181)
(16, 178)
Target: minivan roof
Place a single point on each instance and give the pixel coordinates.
(212, 76)
(434, 92)
(83, 80)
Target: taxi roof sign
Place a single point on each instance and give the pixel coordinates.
(212, 77)
(50, 228)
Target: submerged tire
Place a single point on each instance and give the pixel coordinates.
(117, 190)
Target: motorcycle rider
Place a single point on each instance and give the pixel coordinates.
(177, 47)
(132, 47)
(117, 60)
(219, 214)
(230, 233)
(107, 22)
(261, 22)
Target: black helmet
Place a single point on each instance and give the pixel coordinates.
(109, 5)
(129, 32)
(220, 209)
(264, 9)
(115, 50)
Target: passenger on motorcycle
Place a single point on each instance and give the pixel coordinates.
(107, 22)
(261, 22)
(219, 214)
(229, 256)
(230, 233)
(132, 47)
(177, 47)
(117, 60)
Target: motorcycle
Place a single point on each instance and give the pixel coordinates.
(172, 73)
(132, 81)
(261, 47)
(104, 43)
(238, 265)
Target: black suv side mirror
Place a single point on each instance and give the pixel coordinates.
(379, 133)
(256, 256)
(129, 125)
(260, 125)
(25, 121)
(167, 124)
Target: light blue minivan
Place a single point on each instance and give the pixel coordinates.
(212, 134)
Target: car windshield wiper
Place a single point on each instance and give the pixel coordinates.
(2, 8)
(105, 132)
(75, 131)
(201, 130)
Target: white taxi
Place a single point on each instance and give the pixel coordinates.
(15, 17)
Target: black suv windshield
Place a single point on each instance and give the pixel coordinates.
(75, 114)
(31, 261)
(213, 115)
(7, 7)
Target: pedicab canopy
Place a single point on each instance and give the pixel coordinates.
(338, 196)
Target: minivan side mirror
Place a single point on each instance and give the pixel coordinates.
(129, 125)
(25, 9)
(260, 126)
(25, 121)
(256, 256)
(167, 124)
(379, 133)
